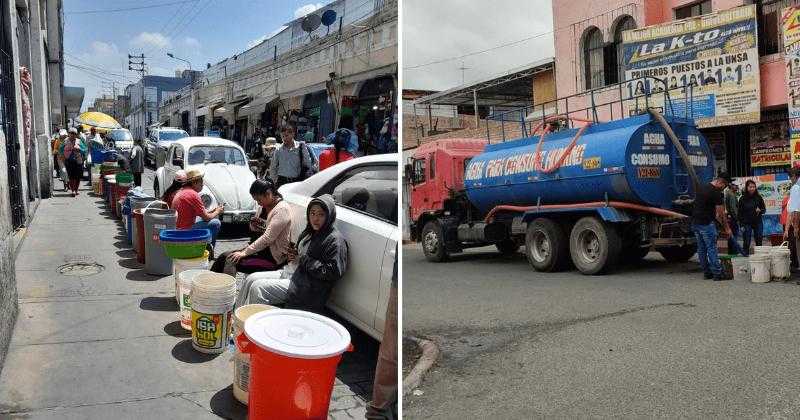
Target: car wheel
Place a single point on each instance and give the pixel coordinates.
(595, 246)
(546, 245)
(433, 242)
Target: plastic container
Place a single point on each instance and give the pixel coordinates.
(780, 259)
(741, 268)
(184, 293)
(762, 249)
(760, 268)
(241, 361)
(156, 261)
(137, 203)
(124, 177)
(180, 265)
(96, 183)
(186, 243)
(138, 236)
(112, 185)
(294, 355)
(727, 265)
(212, 299)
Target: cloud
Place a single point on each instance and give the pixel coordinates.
(150, 40)
(261, 39)
(191, 42)
(103, 48)
(306, 9)
(464, 27)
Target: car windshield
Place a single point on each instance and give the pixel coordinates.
(215, 154)
(120, 135)
(171, 135)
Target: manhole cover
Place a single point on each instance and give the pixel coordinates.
(80, 269)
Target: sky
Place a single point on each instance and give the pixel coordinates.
(200, 31)
(444, 29)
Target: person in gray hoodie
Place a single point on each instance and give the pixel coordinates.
(320, 260)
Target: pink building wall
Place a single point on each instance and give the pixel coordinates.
(572, 18)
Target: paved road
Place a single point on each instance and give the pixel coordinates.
(653, 340)
(109, 345)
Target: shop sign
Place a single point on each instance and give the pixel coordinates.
(769, 145)
(790, 22)
(712, 59)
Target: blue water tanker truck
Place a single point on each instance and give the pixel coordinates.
(590, 196)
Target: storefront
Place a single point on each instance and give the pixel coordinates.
(319, 114)
(372, 113)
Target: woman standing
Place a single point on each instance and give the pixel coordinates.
(73, 160)
(751, 208)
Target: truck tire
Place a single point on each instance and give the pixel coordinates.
(433, 242)
(678, 254)
(507, 247)
(595, 246)
(546, 245)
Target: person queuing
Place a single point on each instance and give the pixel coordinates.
(74, 155)
(339, 153)
(137, 162)
(267, 252)
(793, 209)
(732, 208)
(787, 229)
(319, 262)
(177, 184)
(751, 208)
(189, 205)
(58, 157)
(292, 162)
(709, 205)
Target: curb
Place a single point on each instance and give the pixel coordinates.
(430, 353)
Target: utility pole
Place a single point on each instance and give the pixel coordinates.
(462, 68)
(136, 63)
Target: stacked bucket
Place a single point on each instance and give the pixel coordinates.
(767, 263)
(187, 249)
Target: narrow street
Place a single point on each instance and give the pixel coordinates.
(109, 344)
(651, 340)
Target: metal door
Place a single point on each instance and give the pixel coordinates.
(8, 124)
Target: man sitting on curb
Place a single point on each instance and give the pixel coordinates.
(189, 205)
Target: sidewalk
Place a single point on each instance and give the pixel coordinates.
(109, 345)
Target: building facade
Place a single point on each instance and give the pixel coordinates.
(31, 83)
(589, 42)
(145, 97)
(344, 74)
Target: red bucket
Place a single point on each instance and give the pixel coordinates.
(294, 355)
(119, 193)
(138, 215)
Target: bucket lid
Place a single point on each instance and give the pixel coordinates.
(298, 334)
(214, 281)
(189, 275)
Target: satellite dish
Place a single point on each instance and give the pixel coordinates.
(329, 17)
(310, 23)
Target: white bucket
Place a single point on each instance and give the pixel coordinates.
(184, 292)
(241, 361)
(179, 265)
(212, 299)
(781, 262)
(741, 268)
(762, 249)
(759, 268)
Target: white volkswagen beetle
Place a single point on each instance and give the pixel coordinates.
(227, 177)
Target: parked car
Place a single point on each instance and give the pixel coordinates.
(227, 177)
(365, 190)
(158, 142)
(119, 139)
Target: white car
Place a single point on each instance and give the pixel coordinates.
(365, 190)
(159, 141)
(119, 139)
(227, 177)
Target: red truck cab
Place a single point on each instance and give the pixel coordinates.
(435, 171)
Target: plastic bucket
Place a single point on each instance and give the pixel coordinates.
(96, 183)
(294, 355)
(780, 262)
(184, 292)
(762, 249)
(137, 203)
(212, 299)
(138, 236)
(156, 261)
(241, 361)
(741, 268)
(180, 265)
(760, 268)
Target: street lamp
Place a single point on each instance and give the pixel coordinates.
(170, 55)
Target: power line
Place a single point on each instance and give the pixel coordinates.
(496, 47)
(86, 12)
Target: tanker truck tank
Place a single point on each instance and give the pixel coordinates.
(630, 160)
